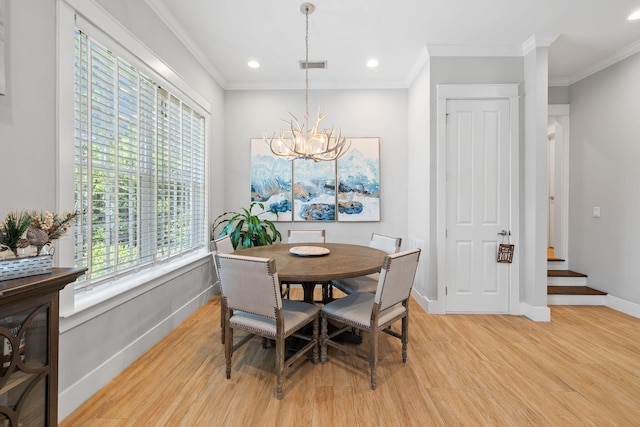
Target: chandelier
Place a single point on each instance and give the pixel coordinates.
(298, 141)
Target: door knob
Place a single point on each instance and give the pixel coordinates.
(504, 233)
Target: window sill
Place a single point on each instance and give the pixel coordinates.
(93, 303)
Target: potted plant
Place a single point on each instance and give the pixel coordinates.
(23, 229)
(245, 228)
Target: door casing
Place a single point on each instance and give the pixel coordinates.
(560, 114)
(470, 92)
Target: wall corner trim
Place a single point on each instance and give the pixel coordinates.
(535, 313)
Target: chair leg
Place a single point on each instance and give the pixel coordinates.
(285, 290)
(223, 309)
(405, 338)
(228, 346)
(323, 341)
(279, 365)
(327, 292)
(316, 323)
(373, 356)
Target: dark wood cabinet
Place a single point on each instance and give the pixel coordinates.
(29, 316)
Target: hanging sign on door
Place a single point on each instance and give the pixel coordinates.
(505, 250)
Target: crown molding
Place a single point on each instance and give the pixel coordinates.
(624, 53)
(170, 21)
(534, 42)
(560, 81)
(348, 85)
(418, 65)
(434, 50)
(514, 49)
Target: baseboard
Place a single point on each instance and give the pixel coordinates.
(428, 305)
(624, 306)
(215, 290)
(537, 314)
(72, 397)
(543, 314)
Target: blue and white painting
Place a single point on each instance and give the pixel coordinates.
(359, 181)
(314, 190)
(271, 178)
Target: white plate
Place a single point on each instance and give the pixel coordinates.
(309, 250)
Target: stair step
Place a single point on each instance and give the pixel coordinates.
(573, 290)
(566, 278)
(554, 259)
(564, 273)
(575, 295)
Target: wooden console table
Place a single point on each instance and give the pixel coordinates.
(29, 318)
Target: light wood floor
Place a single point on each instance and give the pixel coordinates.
(581, 369)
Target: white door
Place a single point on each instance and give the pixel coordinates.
(478, 204)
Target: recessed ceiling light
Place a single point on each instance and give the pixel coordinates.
(634, 16)
(372, 63)
(253, 64)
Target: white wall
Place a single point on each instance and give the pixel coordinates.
(558, 95)
(534, 227)
(480, 70)
(28, 111)
(359, 113)
(604, 172)
(421, 186)
(96, 346)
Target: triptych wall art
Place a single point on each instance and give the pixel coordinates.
(346, 190)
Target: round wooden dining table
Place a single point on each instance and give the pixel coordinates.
(341, 262)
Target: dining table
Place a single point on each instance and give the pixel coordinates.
(311, 263)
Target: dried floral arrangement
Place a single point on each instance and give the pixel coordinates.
(22, 229)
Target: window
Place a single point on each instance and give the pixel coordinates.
(139, 166)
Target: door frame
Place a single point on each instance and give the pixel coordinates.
(561, 112)
(447, 92)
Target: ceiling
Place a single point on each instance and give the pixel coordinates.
(583, 36)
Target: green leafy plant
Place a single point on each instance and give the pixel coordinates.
(12, 228)
(245, 228)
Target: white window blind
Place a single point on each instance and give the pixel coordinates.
(139, 166)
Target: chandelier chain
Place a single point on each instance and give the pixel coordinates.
(299, 141)
(306, 68)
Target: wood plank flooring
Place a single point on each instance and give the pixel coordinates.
(580, 369)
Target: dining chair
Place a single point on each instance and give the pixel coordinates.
(369, 283)
(374, 313)
(223, 245)
(308, 236)
(253, 304)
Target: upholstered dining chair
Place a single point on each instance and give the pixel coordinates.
(374, 313)
(253, 304)
(369, 283)
(222, 245)
(308, 236)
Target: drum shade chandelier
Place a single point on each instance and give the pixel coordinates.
(298, 141)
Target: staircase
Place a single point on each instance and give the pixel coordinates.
(566, 287)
